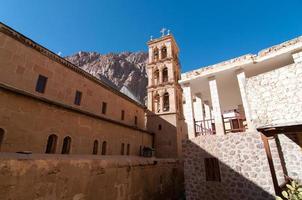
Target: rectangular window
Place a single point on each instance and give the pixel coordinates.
(78, 97)
(122, 115)
(41, 83)
(104, 108)
(135, 120)
(212, 169)
(128, 149)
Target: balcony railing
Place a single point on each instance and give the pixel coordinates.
(205, 127)
(232, 124)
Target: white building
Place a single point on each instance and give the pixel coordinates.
(215, 97)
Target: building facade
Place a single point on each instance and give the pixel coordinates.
(244, 121)
(50, 107)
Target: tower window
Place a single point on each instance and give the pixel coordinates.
(156, 103)
(122, 115)
(163, 52)
(122, 149)
(51, 144)
(166, 102)
(104, 108)
(66, 145)
(156, 77)
(155, 54)
(165, 75)
(41, 84)
(78, 97)
(159, 127)
(212, 169)
(104, 148)
(95, 147)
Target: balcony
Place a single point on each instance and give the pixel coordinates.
(233, 123)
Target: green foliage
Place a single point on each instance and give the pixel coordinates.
(293, 192)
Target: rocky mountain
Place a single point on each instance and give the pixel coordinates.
(124, 71)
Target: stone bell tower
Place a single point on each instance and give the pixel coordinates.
(165, 115)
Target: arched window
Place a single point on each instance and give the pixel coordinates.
(166, 102)
(155, 54)
(104, 148)
(51, 144)
(1, 136)
(156, 103)
(156, 77)
(165, 75)
(66, 145)
(128, 149)
(163, 52)
(122, 149)
(95, 147)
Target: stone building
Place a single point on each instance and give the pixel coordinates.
(232, 130)
(50, 107)
(165, 97)
(244, 125)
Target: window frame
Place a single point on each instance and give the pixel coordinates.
(41, 84)
(78, 98)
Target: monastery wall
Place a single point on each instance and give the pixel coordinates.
(74, 177)
(243, 167)
(275, 97)
(22, 61)
(29, 120)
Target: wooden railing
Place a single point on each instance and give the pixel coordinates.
(234, 124)
(231, 125)
(205, 127)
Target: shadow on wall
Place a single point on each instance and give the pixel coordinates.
(227, 167)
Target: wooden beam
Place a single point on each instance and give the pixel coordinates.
(270, 163)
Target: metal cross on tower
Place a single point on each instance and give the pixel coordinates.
(162, 31)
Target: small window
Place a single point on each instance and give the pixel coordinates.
(135, 120)
(155, 54)
(78, 97)
(212, 169)
(95, 147)
(122, 149)
(104, 108)
(166, 102)
(122, 115)
(104, 148)
(156, 77)
(1, 136)
(51, 144)
(164, 52)
(41, 84)
(159, 127)
(165, 75)
(66, 145)
(128, 149)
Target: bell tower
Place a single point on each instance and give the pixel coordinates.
(165, 111)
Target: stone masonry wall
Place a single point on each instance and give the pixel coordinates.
(275, 97)
(74, 177)
(244, 168)
(292, 154)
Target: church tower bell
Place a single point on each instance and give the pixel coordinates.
(165, 116)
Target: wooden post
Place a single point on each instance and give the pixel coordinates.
(270, 163)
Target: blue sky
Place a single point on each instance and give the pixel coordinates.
(207, 31)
